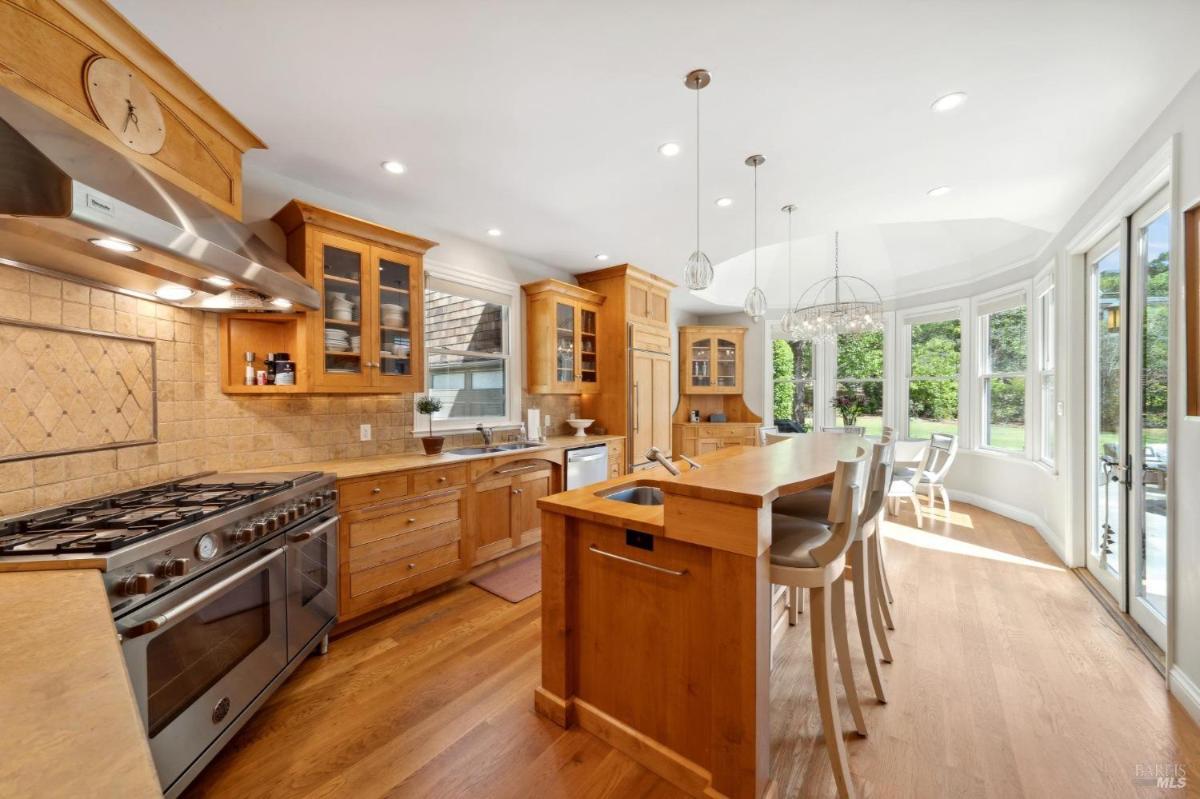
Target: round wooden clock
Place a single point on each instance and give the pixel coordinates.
(125, 104)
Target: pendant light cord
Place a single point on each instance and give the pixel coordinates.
(789, 213)
(756, 225)
(697, 170)
(837, 281)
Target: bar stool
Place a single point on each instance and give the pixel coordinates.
(811, 554)
(865, 556)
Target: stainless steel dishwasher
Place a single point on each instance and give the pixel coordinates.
(586, 465)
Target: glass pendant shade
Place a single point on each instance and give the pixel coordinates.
(698, 275)
(755, 305)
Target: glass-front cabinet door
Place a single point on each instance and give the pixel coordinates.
(588, 351)
(397, 280)
(700, 363)
(565, 345)
(343, 266)
(725, 362)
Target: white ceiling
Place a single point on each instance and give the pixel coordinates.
(543, 118)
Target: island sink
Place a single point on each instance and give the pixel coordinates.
(637, 495)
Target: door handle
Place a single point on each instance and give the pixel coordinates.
(637, 411)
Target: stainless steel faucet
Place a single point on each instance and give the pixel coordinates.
(690, 462)
(486, 432)
(655, 454)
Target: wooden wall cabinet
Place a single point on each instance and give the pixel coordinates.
(368, 335)
(711, 380)
(634, 399)
(563, 338)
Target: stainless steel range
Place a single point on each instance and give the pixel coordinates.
(219, 584)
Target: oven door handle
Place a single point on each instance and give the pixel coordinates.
(304, 535)
(182, 609)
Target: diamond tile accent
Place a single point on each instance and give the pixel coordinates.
(63, 391)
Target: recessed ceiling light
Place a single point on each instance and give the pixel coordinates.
(669, 149)
(495, 231)
(601, 256)
(949, 102)
(280, 302)
(938, 191)
(217, 280)
(395, 167)
(724, 202)
(117, 245)
(173, 293)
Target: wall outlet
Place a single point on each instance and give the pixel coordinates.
(364, 432)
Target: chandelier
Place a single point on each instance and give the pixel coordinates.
(837, 305)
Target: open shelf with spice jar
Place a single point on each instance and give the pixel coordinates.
(261, 334)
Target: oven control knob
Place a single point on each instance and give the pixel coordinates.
(293, 513)
(261, 527)
(315, 501)
(242, 536)
(331, 495)
(135, 584)
(172, 567)
(280, 519)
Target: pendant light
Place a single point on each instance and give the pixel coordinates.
(698, 275)
(755, 305)
(788, 322)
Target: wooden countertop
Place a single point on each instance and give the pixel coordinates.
(749, 477)
(345, 468)
(69, 723)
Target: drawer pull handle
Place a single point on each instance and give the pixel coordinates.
(412, 519)
(525, 468)
(376, 490)
(650, 566)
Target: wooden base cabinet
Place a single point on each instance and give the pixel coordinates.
(711, 377)
(504, 508)
(696, 439)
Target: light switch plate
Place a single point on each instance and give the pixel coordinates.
(364, 432)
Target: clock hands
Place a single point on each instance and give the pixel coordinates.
(130, 117)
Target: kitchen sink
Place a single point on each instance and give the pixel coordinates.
(512, 445)
(472, 450)
(638, 495)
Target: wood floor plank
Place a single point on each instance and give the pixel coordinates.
(1009, 681)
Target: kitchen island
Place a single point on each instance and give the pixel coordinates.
(657, 618)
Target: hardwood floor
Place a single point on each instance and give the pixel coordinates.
(1009, 681)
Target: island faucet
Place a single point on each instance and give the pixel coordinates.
(690, 462)
(486, 432)
(655, 454)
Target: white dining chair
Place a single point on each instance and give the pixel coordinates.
(810, 554)
(931, 472)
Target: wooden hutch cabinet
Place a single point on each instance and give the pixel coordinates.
(563, 342)
(367, 337)
(711, 381)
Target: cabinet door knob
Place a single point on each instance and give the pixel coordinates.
(412, 519)
(442, 479)
(412, 565)
(376, 490)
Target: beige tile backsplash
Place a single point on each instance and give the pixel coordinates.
(199, 428)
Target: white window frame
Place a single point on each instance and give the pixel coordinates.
(513, 374)
(943, 312)
(828, 387)
(1046, 335)
(775, 332)
(982, 307)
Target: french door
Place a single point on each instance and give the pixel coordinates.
(1128, 329)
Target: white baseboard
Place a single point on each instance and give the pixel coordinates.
(1017, 515)
(1186, 691)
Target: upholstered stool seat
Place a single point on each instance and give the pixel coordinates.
(812, 504)
(794, 539)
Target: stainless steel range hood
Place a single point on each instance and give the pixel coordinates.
(61, 192)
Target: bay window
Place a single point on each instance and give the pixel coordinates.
(1004, 331)
(792, 385)
(934, 362)
(858, 390)
(1047, 402)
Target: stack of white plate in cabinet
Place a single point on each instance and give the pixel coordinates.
(336, 340)
(391, 315)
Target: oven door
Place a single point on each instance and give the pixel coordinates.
(200, 655)
(312, 566)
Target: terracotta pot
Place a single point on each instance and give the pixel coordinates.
(432, 444)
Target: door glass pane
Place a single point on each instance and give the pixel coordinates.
(343, 310)
(395, 317)
(1107, 433)
(587, 345)
(564, 322)
(1155, 243)
(726, 363)
(701, 358)
(189, 658)
(314, 568)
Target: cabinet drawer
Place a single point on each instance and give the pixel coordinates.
(366, 490)
(402, 519)
(403, 545)
(395, 573)
(433, 479)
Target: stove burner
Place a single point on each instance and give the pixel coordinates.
(116, 521)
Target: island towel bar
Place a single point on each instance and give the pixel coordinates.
(615, 556)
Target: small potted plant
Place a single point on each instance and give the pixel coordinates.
(849, 405)
(429, 406)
